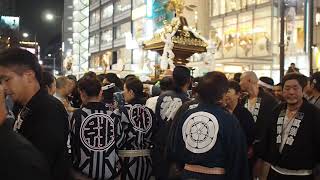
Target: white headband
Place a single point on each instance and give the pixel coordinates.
(106, 87)
(261, 83)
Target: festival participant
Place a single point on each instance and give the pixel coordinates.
(292, 140)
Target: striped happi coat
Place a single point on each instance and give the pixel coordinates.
(95, 136)
(138, 123)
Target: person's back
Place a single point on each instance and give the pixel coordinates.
(167, 105)
(95, 136)
(138, 123)
(206, 139)
(19, 159)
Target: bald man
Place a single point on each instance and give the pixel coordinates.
(260, 104)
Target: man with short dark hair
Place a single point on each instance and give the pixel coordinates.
(19, 159)
(167, 105)
(208, 141)
(96, 134)
(277, 92)
(63, 90)
(292, 138)
(43, 119)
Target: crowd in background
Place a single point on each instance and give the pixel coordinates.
(176, 127)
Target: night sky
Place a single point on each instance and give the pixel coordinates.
(32, 21)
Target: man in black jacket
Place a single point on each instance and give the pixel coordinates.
(42, 120)
(19, 159)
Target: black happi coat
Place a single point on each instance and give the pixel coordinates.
(246, 121)
(302, 147)
(263, 111)
(167, 106)
(96, 134)
(207, 135)
(19, 159)
(138, 124)
(44, 122)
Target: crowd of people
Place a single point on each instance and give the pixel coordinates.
(178, 127)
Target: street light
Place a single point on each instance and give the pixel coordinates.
(25, 35)
(49, 16)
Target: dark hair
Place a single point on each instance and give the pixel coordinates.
(90, 74)
(61, 82)
(234, 85)
(136, 86)
(113, 78)
(166, 84)
(236, 77)
(302, 79)
(90, 85)
(267, 80)
(47, 79)
(108, 95)
(181, 76)
(72, 77)
(20, 60)
(212, 87)
(315, 79)
(279, 84)
(129, 76)
(101, 77)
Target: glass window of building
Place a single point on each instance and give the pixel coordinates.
(232, 5)
(262, 32)
(250, 2)
(230, 36)
(216, 35)
(94, 40)
(215, 7)
(91, 39)
(122, 6)
(139, 29)
(93, 1)
(262, 1)
(107, 11)
(137, 3)
(243, 4)
(122, 30)
(106, 36)
(244, 44)
(124, 55)
(95, 17)
(95, 61)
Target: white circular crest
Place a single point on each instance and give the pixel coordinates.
(97, 132)
(200, 132)
(141, 118)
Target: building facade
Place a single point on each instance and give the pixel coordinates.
(247, 35)
(115, 31)
(316, 36)
(7, 7)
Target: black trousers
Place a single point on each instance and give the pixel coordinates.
(273, 175)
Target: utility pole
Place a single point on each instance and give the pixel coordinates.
(311, 20)
(282, 55)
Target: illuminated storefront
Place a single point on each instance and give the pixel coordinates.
(247, 35)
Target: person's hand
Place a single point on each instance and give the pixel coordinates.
(3, 108)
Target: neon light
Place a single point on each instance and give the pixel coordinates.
(149, 8)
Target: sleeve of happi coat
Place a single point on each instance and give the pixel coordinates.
(237, 158)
